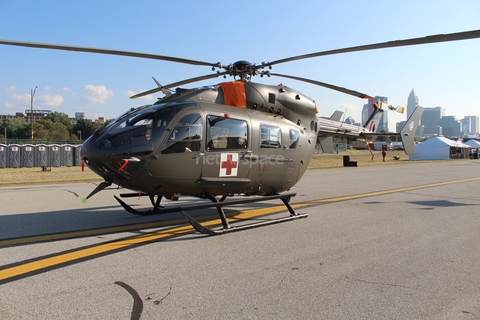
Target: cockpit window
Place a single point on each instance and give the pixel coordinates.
(186, 135)
(143, 122)
(139, 130)
(122, 120)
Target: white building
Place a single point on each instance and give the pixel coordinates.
(80, 115)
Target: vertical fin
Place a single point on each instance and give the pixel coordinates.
(372, 123)
(407, 134)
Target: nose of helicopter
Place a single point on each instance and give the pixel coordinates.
(112, 163)
(88, 151)
(92, 157)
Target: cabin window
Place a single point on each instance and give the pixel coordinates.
(270, 136)
(186, 135)
(294, 137)
(226, 134)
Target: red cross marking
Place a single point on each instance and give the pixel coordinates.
(229, 165)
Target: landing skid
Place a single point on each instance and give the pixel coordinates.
(157, 208)
(220, 205)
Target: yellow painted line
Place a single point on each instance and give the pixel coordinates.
(83, 253)
(96, 250)
(62, 258)
(382, 192)
(354, 196)
(86, 233)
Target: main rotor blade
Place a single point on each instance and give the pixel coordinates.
(390, 44)
(326, 85)
(107, 51)
(178, 83)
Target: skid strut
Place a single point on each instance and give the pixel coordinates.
(226, 226)
(219, 204)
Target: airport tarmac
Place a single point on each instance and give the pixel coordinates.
(384, 242)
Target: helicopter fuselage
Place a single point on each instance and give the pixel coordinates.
(201, 141)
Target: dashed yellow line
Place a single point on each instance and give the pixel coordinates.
(63, 258)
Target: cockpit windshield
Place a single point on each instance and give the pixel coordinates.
(139, 130)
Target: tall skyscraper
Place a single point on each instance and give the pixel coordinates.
(470, 125)
(412, 103)
(431, 116)
(430, 122)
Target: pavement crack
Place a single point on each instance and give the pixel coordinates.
(378, 283)
(76, 195)
(281, 280)
(140, 254)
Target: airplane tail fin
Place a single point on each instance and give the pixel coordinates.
(326, 142)
(378, 109)
(372, 123)
(407, 134)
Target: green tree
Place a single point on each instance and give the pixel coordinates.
(47, 129)
(60, 117)
(39, 131)
(17, 128)
(86, 127)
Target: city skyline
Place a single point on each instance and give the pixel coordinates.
(412, 102)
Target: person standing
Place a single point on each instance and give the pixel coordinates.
(384, 153)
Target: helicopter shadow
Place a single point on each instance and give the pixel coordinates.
(430, 205)
(102, 220)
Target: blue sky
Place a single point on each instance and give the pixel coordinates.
(445, 75)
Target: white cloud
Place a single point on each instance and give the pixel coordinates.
(349, 107)
(9, 105)
(349, 110)
(68, 91)
(97, 94)
(50, 100)
(11, 88)
(21, 97)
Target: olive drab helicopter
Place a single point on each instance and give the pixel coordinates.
(232, 138)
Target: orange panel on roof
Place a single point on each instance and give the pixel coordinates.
(234, 93)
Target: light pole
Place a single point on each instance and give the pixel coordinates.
(32, 94)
